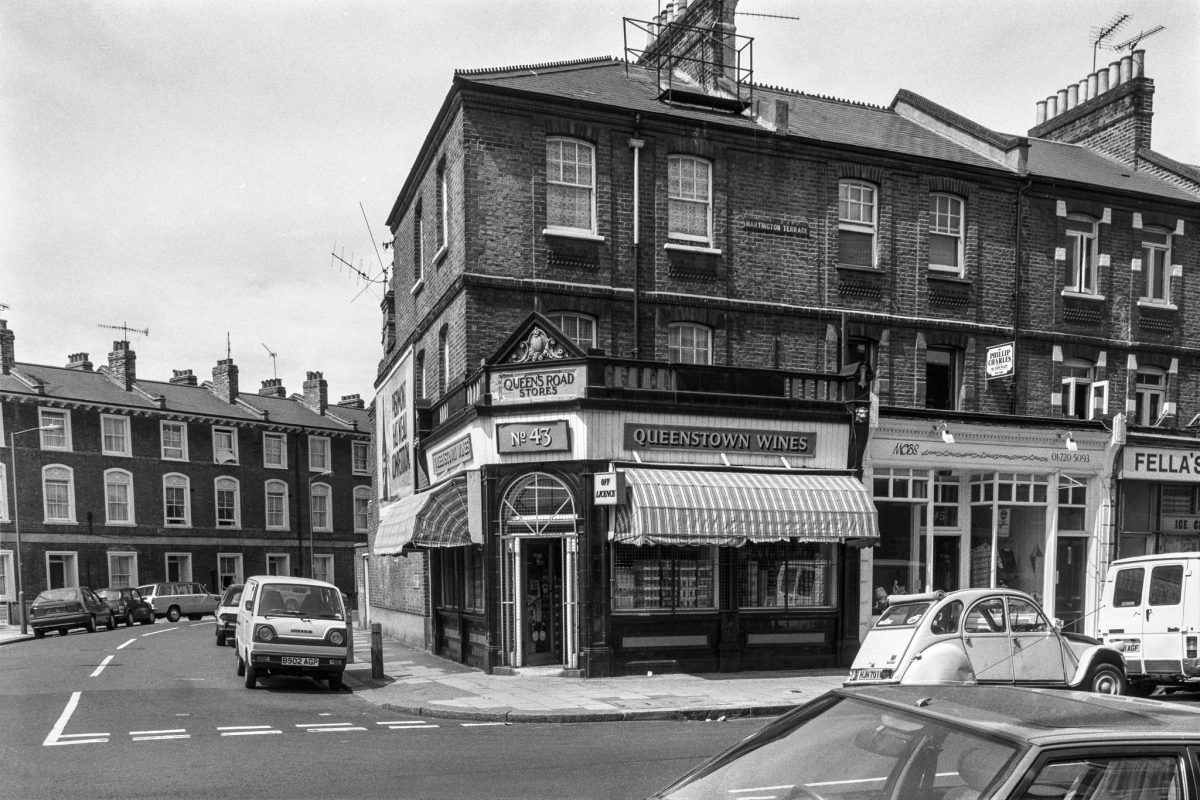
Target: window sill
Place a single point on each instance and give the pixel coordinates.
(572, 233)
(859, 268)
(274, 466)
(692, 248)
(417, 287)
(117, 455)
(1146, 302)
(951, 275)
(1074, 295)
(120, 524)
(51, 521)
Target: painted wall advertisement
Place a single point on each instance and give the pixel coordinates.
(394, 431)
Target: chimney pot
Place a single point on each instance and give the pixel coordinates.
(1083, 91)
(225, 380)
(1063, 101)
(1072, 95)
(1051, 106)
(7, 349)
(1114, 74)
(1093, 85)
(79, 361)
(122, 363)
(316, 392)
(1041, 112)
(182, 377)
(1101, 81)
(1126, 68)
(1139, 63)
(273, 387)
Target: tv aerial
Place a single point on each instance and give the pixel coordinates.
(1133, 41)
(125, 330)
(273, 355)
(1103, 32)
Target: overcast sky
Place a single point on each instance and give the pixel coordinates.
(188, 166)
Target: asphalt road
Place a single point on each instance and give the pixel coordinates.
(158, 712)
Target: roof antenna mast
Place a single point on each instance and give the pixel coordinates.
(274, 373)
(126, 330)
(1104, 31)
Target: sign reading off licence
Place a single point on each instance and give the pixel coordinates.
(1000, 361)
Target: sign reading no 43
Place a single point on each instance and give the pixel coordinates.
(533, 437)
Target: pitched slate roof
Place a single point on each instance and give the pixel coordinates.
(608, 82)
(72, 385)
(290, 411)
(1071, 162)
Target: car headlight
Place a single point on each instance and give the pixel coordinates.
(337, 638)
(264, 633)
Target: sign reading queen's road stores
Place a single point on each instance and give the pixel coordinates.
(720, 440)
(542, 384)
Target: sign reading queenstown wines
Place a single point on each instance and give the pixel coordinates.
(720, 440)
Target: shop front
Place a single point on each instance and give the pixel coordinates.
(1160, 495)
(973, 505)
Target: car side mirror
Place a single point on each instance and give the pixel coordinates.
(1058, 624)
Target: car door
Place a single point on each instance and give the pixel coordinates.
(985, 641)
(1122, 617)
(1162, 622)
(1037, 656)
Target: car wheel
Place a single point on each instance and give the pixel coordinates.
(241, 669)
(220, 638)
(173, 614)
(128, 619)
(91, 624)
(112, 621)
(1107, 679)
(335, 682)
(39, 633)
(63, 631)
(251, 677)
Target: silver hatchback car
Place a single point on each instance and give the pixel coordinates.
(985, 636)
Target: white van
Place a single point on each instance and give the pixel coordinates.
(291, 626)
(1150, 611)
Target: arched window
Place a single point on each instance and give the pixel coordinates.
(570, 185)
(689, 343)
(118, 497)
(177, 505)
(689, 200)
(538, 504)
(362, 508)
(58, 489)
(277, 505)
(857, 219)
(229, 502)
(322, 507)
(579, 328)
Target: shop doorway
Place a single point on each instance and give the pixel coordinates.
(542, 620)
(946, 558)
(1070, 582)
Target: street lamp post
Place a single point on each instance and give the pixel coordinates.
(12, 446)
(312, 555)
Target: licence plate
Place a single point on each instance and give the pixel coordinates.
(297, 661)
(866, 674)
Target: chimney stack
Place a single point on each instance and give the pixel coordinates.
(351, 401)
(225, 380)
(122, 362)
(1109, 111)
(272, 387)
(8, 355)
(316, 392)
(79, 361)
(702, 44)
(182, 377)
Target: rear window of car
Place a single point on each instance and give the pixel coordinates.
(57, 595)
(902, 614)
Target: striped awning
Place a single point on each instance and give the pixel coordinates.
(436, 518)
(698, 507)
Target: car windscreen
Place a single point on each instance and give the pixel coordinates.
(902, 614)
(299, 600)
(233, 596)
(56, 595)
(850, 749)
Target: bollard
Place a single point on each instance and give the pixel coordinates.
(376, 650)
(349, 639)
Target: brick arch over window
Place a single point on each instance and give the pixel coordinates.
(947, 185)
(865, 172)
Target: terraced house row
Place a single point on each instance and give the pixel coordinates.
(114, 480)
(682, 371)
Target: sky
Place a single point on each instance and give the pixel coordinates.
(189, 167)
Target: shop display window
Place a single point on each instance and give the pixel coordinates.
(784, 575)
(462, 577)
(661, 578)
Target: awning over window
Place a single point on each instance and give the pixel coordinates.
(697, 507)
(439, 517)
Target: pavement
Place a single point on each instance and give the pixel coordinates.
(417, 682)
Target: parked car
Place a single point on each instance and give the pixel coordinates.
(992, 636)
(1149, 611)
(227, 613)
(291, 626)
(175, 599)
(127, 604)
(63, 609)
(959, 742)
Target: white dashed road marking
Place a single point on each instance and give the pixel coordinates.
(104, 663)
(154, 736)
(407, 724)
(330, 727)
(125, 644)
(248, 730)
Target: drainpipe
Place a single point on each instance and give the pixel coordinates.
(636, 144)
(1019, 258)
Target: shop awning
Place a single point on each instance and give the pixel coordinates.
(436, 518)
(698, 507)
